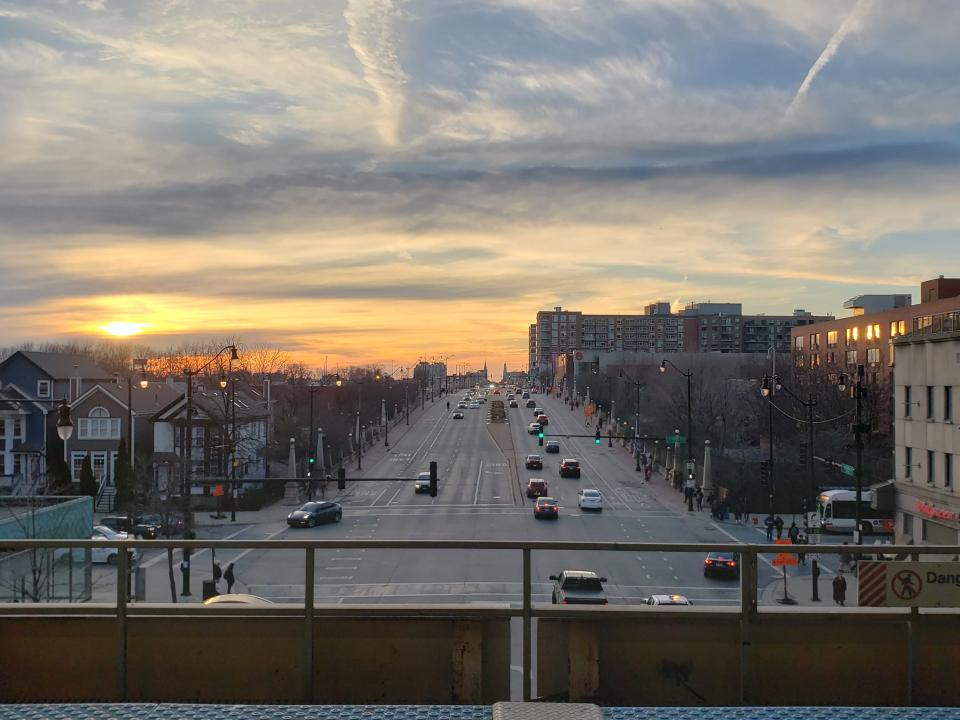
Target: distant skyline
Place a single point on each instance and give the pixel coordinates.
(370, 179)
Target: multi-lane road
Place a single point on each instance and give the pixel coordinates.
(481, 496)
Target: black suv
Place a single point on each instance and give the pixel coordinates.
(570, 468)
(132, 526)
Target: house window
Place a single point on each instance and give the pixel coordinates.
(907, 524)
(947, 470)
(907, 402)
(851, 357)
(18, 429)
(948, 404)
(3, 462)
(98, 425)
(853, 334)
(832, 338)
(43, 388)
(3, 429)
(873, 331)
(798, 342)
(873, 356)
(893, 334)
(17, 464)
(931, 467)
(908, 463)
(929, 402)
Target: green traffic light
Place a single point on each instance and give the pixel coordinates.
(596, 441)
(540, 435)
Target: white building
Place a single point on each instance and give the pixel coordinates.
(927, 433)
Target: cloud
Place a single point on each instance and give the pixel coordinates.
(374, 43)
(851, 24)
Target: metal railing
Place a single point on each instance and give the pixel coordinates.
(747, 611)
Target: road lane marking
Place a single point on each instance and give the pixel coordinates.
(476, 494)
(738, 541)
(341, 567)
(163, 556)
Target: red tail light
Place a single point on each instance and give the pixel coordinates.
(708, 562)
(564, 602)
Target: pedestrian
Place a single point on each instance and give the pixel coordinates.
(779, 525)
(699, 497)
(840, 589)
(793, 533)
(769, 522)
(229, 577)
(217, 574)
(736, 512)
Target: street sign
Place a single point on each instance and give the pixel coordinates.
(783, 559)
(908, 584)
(676, 440)
(847, 470)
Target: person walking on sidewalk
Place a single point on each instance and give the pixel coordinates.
(699, 497)
(779, 524)
(840, 589)
(229, 577)
(793, 533)
(769, 522)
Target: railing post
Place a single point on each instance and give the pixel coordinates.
(748, 613)
(123, 570)
(527, 664)
(308, 669)
(913, 625)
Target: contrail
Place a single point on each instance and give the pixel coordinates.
(846, 27)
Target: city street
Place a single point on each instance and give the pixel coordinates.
(481, 496)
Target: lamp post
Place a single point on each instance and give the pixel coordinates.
(188, 452)
(688, 374)
(768, 388)
(859, 428)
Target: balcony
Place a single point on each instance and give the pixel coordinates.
(443, 653)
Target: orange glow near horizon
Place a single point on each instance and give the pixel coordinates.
(123, 329)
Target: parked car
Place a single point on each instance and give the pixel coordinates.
(667, 600)
(534, 462)
(589, 499)
(133, 526)
(721, 564)
(169, 524)
(311, 514)
(533, 428)
(578, 587)
(536, 488)
(422, 483)
(110, 555)
(570, 468)
(553, 446)
(546, 507)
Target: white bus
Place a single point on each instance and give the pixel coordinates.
(837, 512)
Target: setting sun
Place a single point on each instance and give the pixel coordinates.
(123, 329)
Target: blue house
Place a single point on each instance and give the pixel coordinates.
(37, 382)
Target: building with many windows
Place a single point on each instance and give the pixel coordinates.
(866, 337)
(927, 432)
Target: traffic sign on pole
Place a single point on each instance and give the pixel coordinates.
(847, 470)
(676, 440)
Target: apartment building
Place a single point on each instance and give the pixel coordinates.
(866, 337)
(927, 434)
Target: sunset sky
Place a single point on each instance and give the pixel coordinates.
(377, 180)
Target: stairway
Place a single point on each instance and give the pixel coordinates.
(106, 498)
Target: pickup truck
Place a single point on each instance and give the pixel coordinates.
(578, 587)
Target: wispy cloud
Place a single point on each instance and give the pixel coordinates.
(850, 24)
(374, 42)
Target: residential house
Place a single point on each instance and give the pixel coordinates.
(211, 437)
(41, 380)
(13, 433)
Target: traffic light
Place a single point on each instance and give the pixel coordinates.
(764, 474)
(311, 460)
(540, 438)
(596, 438)
(341, 479)
(433, 478)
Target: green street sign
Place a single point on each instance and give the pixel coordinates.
(676, 440)
(847, 470)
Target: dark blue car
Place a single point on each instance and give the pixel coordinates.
(312, 514)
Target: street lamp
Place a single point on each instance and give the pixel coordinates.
(188, 453)
(768, 387)
(64, 423)
(688, 374)
(859, 428)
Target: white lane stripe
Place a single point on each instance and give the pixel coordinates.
(741, 542)
(163, 555)
(476, 494)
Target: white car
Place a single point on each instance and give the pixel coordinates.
(422, 483)
(589, 499)
(474, 405)
(109, 554)
(667, 600)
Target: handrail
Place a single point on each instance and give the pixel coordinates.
(761, 548)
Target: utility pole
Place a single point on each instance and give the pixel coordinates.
(858, 435)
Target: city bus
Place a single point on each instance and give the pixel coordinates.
(836, 512)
